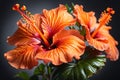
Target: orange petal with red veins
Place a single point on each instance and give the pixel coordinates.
(22, 57)
(25, 33)
(20, 37)
(68, 33)
(100, 42)
(112, 52)
(55, 20)
(86, 19)
(65, 47)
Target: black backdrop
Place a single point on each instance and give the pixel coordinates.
(8, 19)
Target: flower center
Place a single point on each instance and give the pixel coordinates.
(30, 21)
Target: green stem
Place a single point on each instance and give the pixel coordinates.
(48, 72)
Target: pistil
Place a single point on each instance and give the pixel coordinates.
(23, 8)
(105, 18)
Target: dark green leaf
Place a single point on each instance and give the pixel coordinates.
(82, 31)
(49, 70)
(87, 71)
(84, 76)
(22, 75)
(34, 77)
(44, 78)
(96, 63)
(40, 69)
(81, 70)
(69, 9)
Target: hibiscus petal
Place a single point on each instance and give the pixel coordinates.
(112, 52)
(104, 41)
(22, 57)
(65, 33)
(68, 40)
(86, 19)
(55, 20)
(66, 47)
(21, 37)
(100, 42)
(105, 31)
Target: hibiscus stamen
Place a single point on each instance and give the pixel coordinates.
(23, 8)
(105, 18)
(30, 21)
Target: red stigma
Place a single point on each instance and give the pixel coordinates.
(16, 7)
(110, 11)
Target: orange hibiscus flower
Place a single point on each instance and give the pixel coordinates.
(43, 37)
(97, 34)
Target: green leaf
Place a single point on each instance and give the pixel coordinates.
(44, 78)
(96, 63)
(82, 69)
(40, 70)
(87, 69)
(34, 77)
(22, 75)
(83, 32)
(69, 9)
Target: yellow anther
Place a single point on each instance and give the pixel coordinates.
(23, 8)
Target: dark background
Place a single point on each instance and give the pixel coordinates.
(8, 19)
